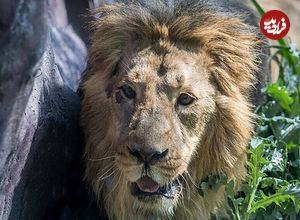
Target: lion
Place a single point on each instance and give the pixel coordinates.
(168, 101)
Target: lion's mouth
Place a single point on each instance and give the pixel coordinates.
(145, 186)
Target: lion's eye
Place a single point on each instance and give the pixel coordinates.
(185, 99)
(128, 92)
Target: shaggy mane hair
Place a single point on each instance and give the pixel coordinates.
(231, 46)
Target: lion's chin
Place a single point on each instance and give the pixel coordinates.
(147, 189)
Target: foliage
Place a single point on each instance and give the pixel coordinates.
(273, 188)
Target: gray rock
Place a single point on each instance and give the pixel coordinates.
(41, 61)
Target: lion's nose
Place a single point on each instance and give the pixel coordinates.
(148, 156)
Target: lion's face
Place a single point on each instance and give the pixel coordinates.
(157, 107)
(161, 105)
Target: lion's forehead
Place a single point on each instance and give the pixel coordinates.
(174, 68)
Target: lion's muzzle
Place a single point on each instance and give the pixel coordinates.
(146, 186)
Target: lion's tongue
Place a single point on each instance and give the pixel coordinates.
(146, 184)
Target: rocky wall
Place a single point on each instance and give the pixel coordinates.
(41, 61)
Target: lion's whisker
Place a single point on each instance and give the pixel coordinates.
(105, 177)
(185, 208)
(107, 168)
(116, 185)
(192, 180)
(188, 187)
(169, 186)
(119, 180)
(184, 161)
(99, 159)
(196, 204)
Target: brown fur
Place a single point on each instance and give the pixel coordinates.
(160, 55)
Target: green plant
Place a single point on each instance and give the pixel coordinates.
(273, 188)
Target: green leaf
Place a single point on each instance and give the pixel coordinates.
(229, 188)
(204, 185)
(273, 182)
(279, 197)
(295, 110)
(201, 192)
(281, 118)
(280, 95)
(293, 50)
(263, 203)
(221, 181)
(292, 133)
(255, 142)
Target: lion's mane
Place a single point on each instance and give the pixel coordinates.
(232, 51)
